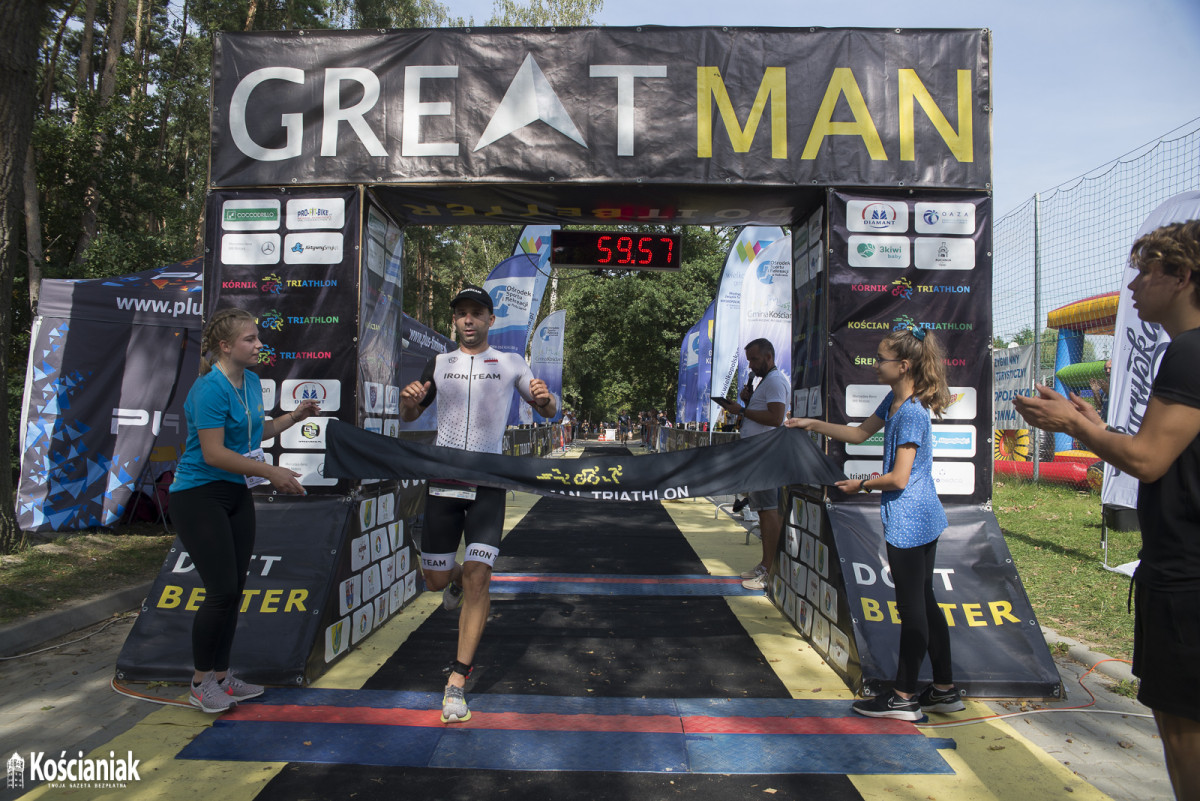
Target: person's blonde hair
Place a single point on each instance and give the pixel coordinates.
(223, 327)
(923, 351)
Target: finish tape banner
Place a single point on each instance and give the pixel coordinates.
(780, 457)
(610, 106)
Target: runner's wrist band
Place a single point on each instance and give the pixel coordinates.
(862, 486)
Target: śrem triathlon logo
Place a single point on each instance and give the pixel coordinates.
(271, 321)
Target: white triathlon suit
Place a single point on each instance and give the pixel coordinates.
(475, 395)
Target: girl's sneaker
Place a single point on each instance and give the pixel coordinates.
(241, 690)
(932, 699)
(211, 697)
(889, 705)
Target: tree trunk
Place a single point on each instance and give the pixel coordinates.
(250, 15)
(162, 122)
(108, 85)
(33, 228)
(52, 66)
(83, 77)
(142, 8)
(20, 34)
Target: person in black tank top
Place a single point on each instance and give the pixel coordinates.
(1164, 455)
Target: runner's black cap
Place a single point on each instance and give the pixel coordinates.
(472, 292)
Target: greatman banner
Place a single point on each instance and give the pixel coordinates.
(728, 107)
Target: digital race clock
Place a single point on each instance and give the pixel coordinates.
(614, 250)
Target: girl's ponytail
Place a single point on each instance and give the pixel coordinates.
(923, 351)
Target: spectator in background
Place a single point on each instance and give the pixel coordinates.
(1164, 455)
(765, 408)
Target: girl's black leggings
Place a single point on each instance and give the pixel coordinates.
(216, 525)
(923, 627)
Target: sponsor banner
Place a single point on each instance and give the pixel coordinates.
(250, 248)
(945, 218)
(316, 212)
(250, 215)
(779, 457)
(887, 252)
(996, 643)
(950, 478)
(809, 334)
(941, 253)
(420, 345)
(306, 299)
(1012, 375)
(941, 282)
(514, 107)
(690, 358)
(681, 380)
(704, 376)
(1138, 348)
(314, 248)
(877, 216)
(381, 311)
(287, 587)
(766, 308)
(546, 358)
(306, 435)
(952, 441)
(743, 255)
(511, 285)
(327, 392)
(534, 240)
(103, 403)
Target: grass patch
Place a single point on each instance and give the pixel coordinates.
(1053, 533)
(41, 577)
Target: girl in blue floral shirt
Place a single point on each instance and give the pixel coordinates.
(909, 361)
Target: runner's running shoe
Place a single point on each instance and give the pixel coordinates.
(755, 572)
(454, 705)
(452, 597)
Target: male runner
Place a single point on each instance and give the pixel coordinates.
(474, 387)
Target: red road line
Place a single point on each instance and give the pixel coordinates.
(499, 579)
(519, 721)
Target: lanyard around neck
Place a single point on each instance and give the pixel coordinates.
(243, 399)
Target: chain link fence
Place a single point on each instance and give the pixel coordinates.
(1058, 262)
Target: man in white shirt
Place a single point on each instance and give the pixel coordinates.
(765, 408)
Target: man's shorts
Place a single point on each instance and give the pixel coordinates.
(448, 517)
(764, 500)
(1166, 650)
